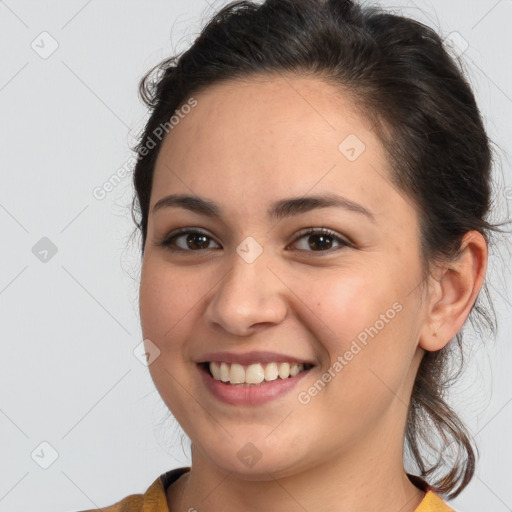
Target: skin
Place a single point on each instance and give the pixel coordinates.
(245, 145)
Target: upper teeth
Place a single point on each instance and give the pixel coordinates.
(254, 373)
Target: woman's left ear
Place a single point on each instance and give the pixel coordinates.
(454, 291)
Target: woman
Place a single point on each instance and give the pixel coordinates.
(312, 191)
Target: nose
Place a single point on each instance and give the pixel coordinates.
(248, 298)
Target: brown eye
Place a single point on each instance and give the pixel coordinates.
(187, 241)
(321, 240)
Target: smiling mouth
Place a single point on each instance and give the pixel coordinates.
(255, 374)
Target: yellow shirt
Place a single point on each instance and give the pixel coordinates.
(155, 498)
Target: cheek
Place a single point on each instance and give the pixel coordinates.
(167, 299)
(373, 325)
(349, 301)
(368, 347)
(166, 296)
(361, 316)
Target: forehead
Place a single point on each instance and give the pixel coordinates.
(265, 138)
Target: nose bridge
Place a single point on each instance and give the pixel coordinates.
(249, 264)
(248, 278)
(249, 293)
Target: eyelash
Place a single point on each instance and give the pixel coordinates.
(168, 240)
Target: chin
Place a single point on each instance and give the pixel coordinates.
(254, 461)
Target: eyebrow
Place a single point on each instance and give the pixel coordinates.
(277, 211)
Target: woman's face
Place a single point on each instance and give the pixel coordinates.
(253, 288)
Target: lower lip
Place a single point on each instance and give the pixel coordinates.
(249, 395)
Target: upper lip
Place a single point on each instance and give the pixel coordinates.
(251, 358)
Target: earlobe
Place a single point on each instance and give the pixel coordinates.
(455, 293)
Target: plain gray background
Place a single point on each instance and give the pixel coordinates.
(69, 378)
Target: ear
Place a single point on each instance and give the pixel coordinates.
(454, 291)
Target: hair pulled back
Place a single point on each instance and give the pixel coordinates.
(401, 77)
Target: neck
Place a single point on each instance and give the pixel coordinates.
(346, 482)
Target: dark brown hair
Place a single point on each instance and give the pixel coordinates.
(401, 77)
